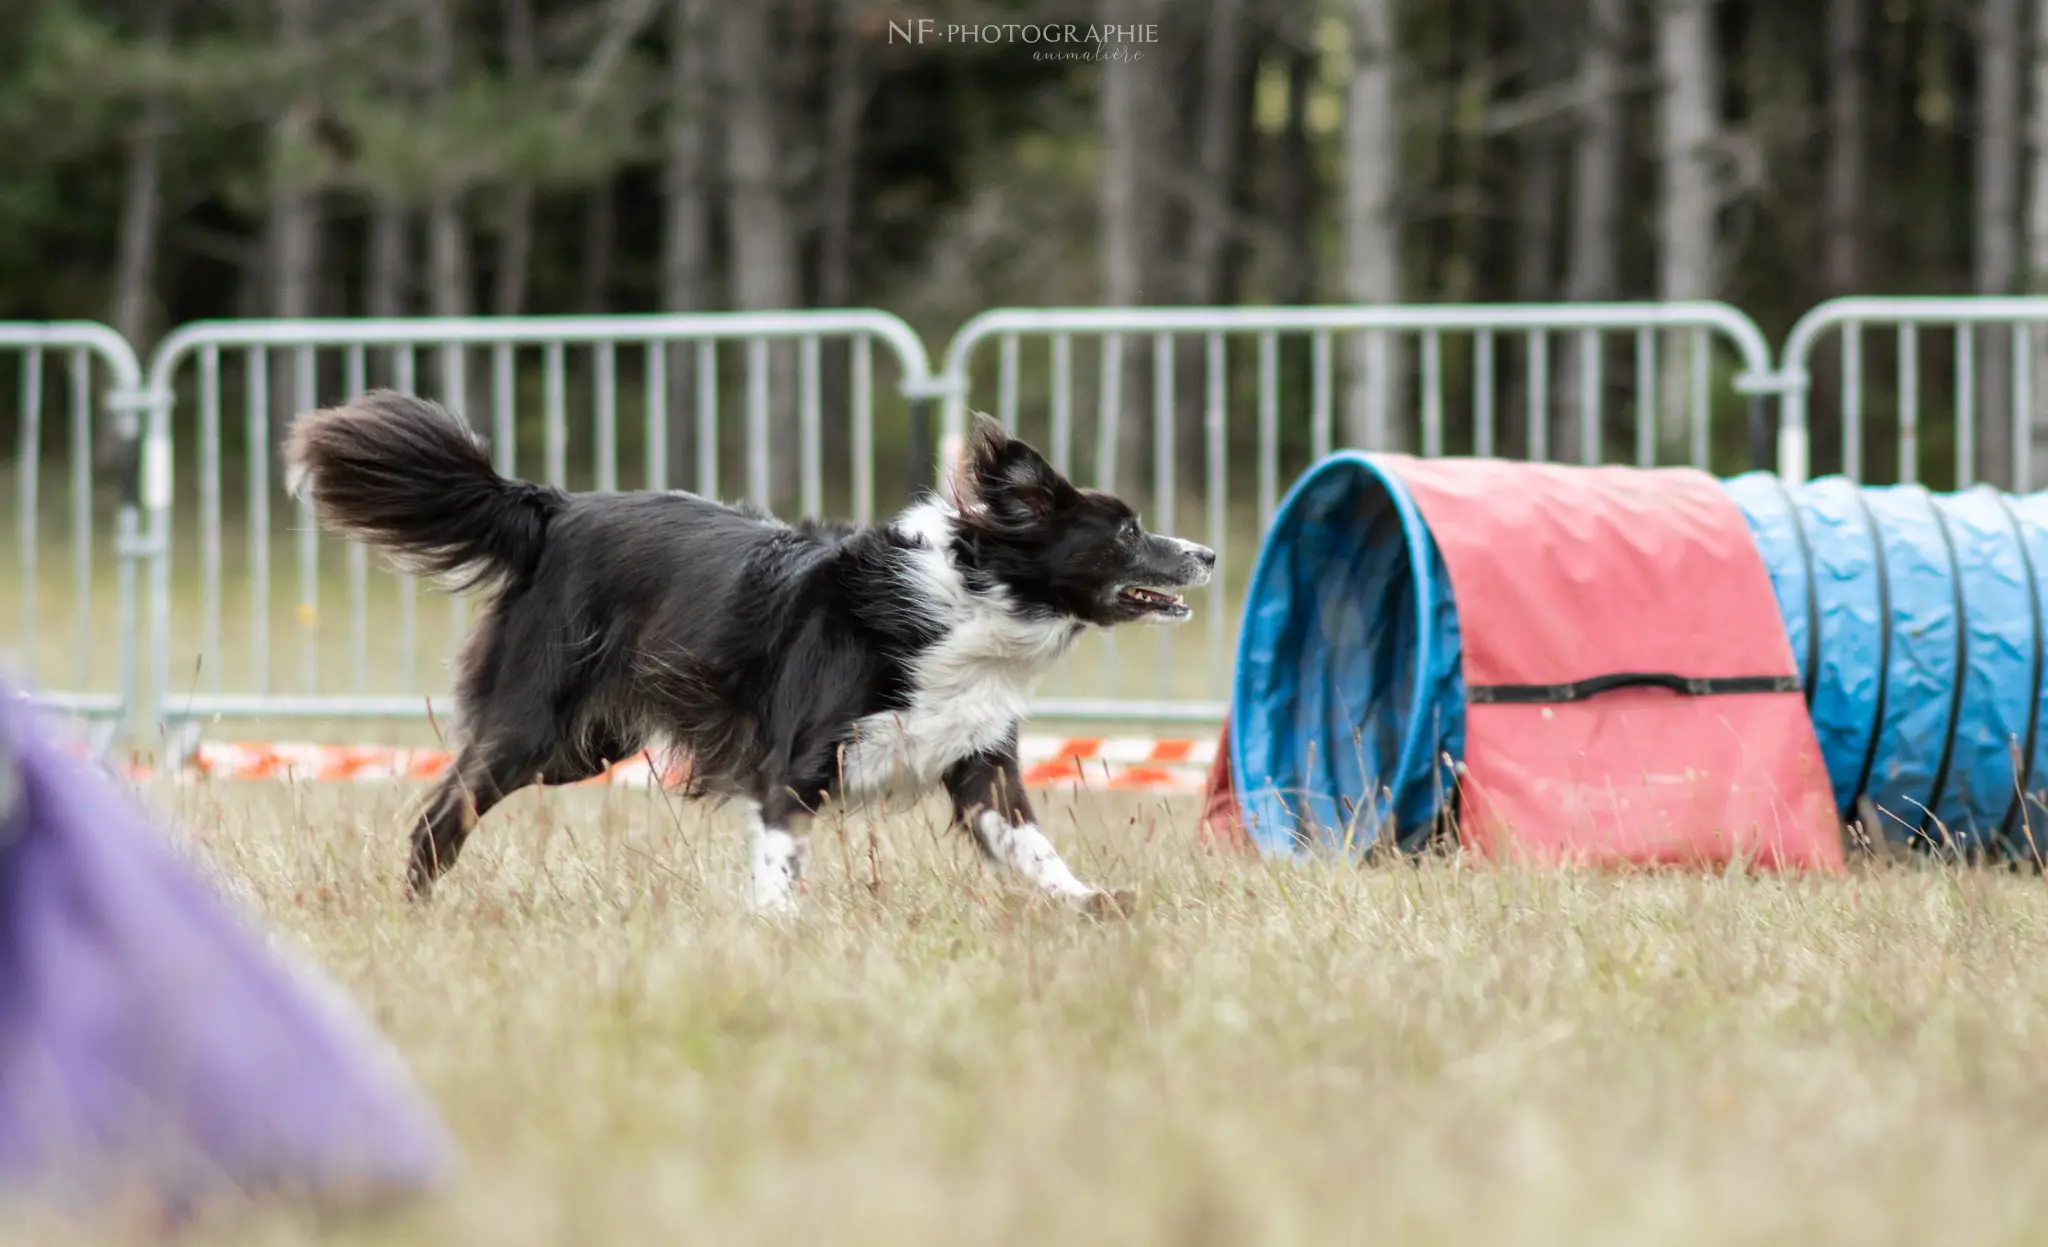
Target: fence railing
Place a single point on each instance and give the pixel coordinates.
(1200, 415)
(585, 402)
(1991, 352)
(73, 602)
(1539, 380)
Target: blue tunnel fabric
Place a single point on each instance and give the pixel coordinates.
(1917, 621)
(1348, 692)
(1917, 573)
(2022, 824)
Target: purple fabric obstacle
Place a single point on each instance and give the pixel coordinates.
(149, 1043)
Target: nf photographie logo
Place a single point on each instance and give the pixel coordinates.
(1048, 41)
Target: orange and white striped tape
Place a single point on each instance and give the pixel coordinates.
(1048, 761)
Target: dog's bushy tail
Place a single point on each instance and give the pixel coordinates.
(409, 477)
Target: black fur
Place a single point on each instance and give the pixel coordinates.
(408, 476)
(754, 646)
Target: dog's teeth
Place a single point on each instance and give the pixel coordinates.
(1153, 597)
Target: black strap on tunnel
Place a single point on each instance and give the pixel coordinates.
(1884, 647)
(1580, 690)
(2023, 768)
(1812, 666)
(1955, 696)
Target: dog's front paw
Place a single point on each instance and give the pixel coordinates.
(1110, 903)
(778, 871)
(773, 899)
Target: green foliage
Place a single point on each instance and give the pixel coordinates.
(977, 176)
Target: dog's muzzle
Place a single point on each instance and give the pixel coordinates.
(1155, 600)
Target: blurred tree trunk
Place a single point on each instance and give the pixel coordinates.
(448, 259)
(133, 307)
(846, 98)
(686, 218)
(1687, 123)
(1372, 255)
(1125, 95)
(389, 271)
(1848, 134)
(1206, 268)
(515, 240)
(294, 209)
(292, 254)
(2037, 237)
(1536, 199)
(447, 234)
(764, 253)
(1536, 194)
(1686, 128)
(1843, 188)
(600, 245)
(1544, 149)
(847, 88)
(1997, 224)
(1297, 192)
(1592, 273)
(1216, 153)
(515, 247)
(1592, 270)
(1449, 184)
(390, 267)
(134, 313)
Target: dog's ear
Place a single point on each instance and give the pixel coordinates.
(1004, 478)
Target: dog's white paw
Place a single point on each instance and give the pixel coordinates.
(769, 904)
(776, 887)
(779, 859)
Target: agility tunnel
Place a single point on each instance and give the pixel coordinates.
(1637, 665)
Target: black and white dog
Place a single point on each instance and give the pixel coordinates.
(790, 664)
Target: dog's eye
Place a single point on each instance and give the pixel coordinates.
(1129, 532)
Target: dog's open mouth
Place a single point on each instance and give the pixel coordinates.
(1153, 602)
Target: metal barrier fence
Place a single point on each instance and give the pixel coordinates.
(1201, 415)
(1536, 380)
(1988, 351)
(554, 397)
(75, 648)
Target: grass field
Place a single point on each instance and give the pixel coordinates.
(1263, 1054)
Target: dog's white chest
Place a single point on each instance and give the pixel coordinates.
(906, 752)
(972, 691)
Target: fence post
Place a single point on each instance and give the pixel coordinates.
(922, 463)
(1793, 449)
(142, 426)
(111, 411)
(948, 387)
(1788, 383)
(157, 488)
(126, 404)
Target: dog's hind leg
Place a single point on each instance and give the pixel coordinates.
(486, 774)
(472, 787)
(480, 779)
